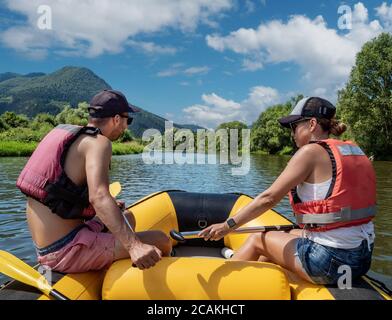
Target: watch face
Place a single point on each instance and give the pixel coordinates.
(231, 223)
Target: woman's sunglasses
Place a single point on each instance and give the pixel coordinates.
(295, 124)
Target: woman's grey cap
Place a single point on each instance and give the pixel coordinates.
(108, 103)
(322, 109)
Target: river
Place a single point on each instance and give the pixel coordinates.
(139, 179)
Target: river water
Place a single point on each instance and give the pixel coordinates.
(139, 179)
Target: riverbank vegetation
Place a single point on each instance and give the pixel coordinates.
(20, 135)
(364, 105)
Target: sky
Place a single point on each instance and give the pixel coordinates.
(196, 61)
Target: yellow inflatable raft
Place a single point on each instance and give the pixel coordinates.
(197, 270)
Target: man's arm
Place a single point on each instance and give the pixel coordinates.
(98, 154)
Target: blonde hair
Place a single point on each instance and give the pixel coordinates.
(333, 126)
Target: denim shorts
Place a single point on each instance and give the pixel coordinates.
(322, 263)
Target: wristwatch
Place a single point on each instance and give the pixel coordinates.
(231, 223)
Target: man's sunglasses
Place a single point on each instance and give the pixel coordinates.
(129, 119)
(294, 125)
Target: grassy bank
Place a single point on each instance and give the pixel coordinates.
(25, 149)
(16, 148)
(132, 147)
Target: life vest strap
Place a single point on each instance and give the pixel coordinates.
(344, 215)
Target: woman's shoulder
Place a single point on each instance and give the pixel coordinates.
(310, 150)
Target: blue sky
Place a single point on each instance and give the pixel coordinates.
(196, 61)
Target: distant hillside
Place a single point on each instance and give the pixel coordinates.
(10, 75)
(146, 120)
(34, 93)
(37, 92)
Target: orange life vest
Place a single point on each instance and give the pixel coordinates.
(351, 199)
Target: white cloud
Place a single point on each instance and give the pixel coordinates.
(92, 28)
(217, 109)
(178, 68)
(167, 73)
(173, 70)
(385, 14)
(250, 6)
(151, 48)
(196, 70)
(251, 65)
(325, 56)
(219, 102)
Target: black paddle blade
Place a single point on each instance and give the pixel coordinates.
(176, 235)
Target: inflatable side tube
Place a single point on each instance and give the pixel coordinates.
(196, 279)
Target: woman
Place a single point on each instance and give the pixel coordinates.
(332, 190)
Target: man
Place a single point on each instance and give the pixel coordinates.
(67, 184)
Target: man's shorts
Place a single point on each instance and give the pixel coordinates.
(85, 248)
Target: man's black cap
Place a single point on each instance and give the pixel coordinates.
(108, 103)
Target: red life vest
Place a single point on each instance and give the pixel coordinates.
(44, 179)
(351, 199)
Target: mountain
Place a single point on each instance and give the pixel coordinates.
(37, 92)
(10, 75)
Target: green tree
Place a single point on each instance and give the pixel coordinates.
(127, 136)
(238, 125)
(268, 135)
(3, 125)
(43, 119)
(365, 104)
(14, 120)
(76, 116)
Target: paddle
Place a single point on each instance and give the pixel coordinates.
(115, 189)
(183, 236)
(15, 268)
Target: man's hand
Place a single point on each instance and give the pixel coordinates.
(144, 256)
(215, 231)
(121, 205)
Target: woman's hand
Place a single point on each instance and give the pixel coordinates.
(215, 232)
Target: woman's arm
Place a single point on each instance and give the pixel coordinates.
(297, 170)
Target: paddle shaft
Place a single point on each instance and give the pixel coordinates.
(57, 295)
(195, 234)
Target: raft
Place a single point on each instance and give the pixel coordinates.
(197, 270)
